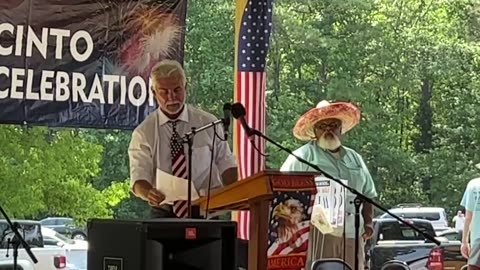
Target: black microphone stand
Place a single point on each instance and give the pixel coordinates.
(359, 199)
(16, 240)
(188, 139)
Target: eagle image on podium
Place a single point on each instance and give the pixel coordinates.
(290, 223)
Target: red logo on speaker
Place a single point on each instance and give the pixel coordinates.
(190, 233)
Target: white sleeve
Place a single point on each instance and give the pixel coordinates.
(140, 155)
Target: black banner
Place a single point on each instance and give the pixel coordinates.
(84, 63)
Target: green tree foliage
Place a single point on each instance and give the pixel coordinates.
(115, 169)
(209, 52)
(48, 172)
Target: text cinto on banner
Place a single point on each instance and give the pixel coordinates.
(79, 39)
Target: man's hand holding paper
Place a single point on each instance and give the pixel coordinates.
(155, 197)
(174, 188)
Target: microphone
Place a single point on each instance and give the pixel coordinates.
(238, 112)
(227, 111)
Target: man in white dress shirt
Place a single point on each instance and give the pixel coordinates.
(150, 149)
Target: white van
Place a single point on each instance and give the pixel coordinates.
(436, 215)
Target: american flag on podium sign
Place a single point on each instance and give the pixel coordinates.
(253, 25)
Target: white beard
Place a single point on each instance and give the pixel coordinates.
(180, 107)
(177, 110)
(330, 143)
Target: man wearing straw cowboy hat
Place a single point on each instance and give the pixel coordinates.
(471, 229)
(322, 127)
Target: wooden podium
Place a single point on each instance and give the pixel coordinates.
(256, 193)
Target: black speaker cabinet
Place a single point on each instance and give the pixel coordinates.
(161, 244)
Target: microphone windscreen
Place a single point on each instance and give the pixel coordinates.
(238, 110)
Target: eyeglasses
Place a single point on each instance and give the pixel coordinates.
(328, 125)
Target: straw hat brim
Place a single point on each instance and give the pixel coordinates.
(348, 113)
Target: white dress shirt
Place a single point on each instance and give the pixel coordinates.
(459, 222)
(150, 148)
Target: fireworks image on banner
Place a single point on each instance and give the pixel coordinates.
(144, 33)
(289, 222)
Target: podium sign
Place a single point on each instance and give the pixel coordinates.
(289, 221)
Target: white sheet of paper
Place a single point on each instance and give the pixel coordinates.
(173, 187)
(331, 196)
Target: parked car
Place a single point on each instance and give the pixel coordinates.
(436, 215)
(76, 250)
(49, 257)
(65, 226)
(395, 241)
(446, 257)
(53, 238)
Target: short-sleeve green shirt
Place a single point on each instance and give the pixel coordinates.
(350, 167)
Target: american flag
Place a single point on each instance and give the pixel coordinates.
(252, 34)
(298, 243)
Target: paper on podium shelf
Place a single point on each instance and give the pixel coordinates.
(174, 188)
(320, 219)
(328, 213)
